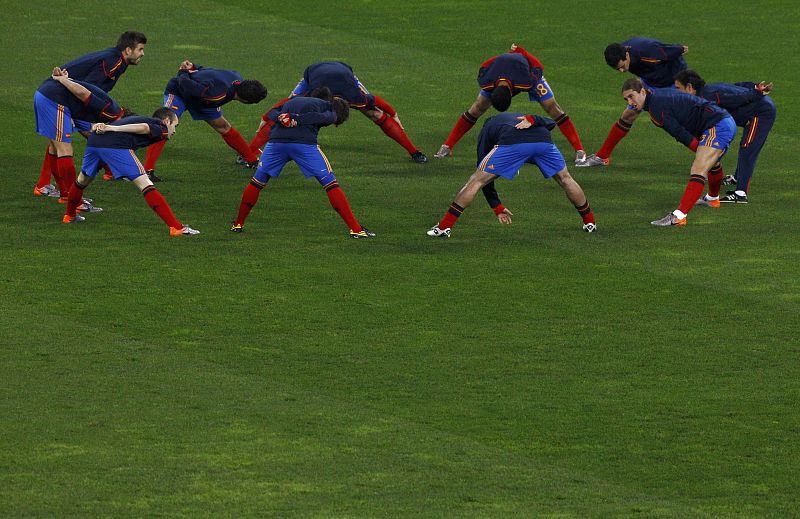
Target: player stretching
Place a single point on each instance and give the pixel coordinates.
(203, 91)
(506, 142)
(751, 107)
(113, 144)
(655, 64)
(502, 77)
(102, 69)
(697, 123)
(294, 137)
(343, 83)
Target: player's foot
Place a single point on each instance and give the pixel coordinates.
(734, 197)
(47, 190)
(363, 233)
(87, 207)
(251, 165)
(185, 231)
(729, 180)
(580, 157)
(708, 201)
(439, 233)
(108, 176)
(151, 174)
(240, 160)
(669, 221)
(73, 219)
(593, 160)
(419, 157)
(443, 152)
(237, 227)
(64, 200)
(589, 227)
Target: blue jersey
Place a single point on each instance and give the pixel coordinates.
(102, 68)
(682, 115)
(512, 67)
(655, 62)
(741, 100)
(129, 141)
(205, 87)
(500, 130)
(341, 81)
(100, 107)
(310, 113)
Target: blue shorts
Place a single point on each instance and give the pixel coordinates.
(505, 161)
(177, 105)
(83, 126)
(652, 88)
(302, 88)
(309, 158)
(123, 163)
(52, 119)
(720, 136)
(540, 92)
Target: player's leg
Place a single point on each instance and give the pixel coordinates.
(234, 139)
(465, 123)
(43, 186)
(543, 94)
(74, 196)
(618, 132)
(274, 158)
(578, 198)
(394, 131)
(159, 205)
(463, 199)
(753, 140)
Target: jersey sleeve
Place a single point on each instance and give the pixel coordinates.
(674, 128)
(486, 142)
(315, 118)
(671, 51)
(536, 66)
(158, 130)
(490, 193)
(189, 87)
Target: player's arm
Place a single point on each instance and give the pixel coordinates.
(536, 66)
(527, 121)
(312, 118)
(673, 51)
(79, 91)
(762, 88)
(674, 128)
(189, 86)
(137, 128)
(502, 213)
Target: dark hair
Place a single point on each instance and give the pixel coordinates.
(501, 98)
(251, 91)
(633, 83)
(690, 77)
(322, 92)
(614, 53)
(127, 112)
(342, 110)
(164, 113)
(130, 39)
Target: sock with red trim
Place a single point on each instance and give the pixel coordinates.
(340, 205)
(249, 200)
(694, 190)
(48, 165)
(450, 217)
(462, 126)
(715, 177)
(66, 174)
(617, 133)
(161, 207)
(153, 152)
(394, 131)
(234, 139)
(74, 198)
(586, 212)
(568, 129)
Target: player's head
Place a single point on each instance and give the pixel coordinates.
(689, 81)
(131, 45)
(169, 118)
(617, 57)
(342, 110)
(322, 92)
(501, 98)
(250, 91)
(634, 93)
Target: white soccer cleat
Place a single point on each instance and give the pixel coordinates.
(185, 231)
(589, 227)
(580, 157)
(592, 161)
(443, 152)
(439, 233)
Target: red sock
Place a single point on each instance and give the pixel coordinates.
(153, 152)
(617, 133)
(450, 217)
(66, 172)
(261, 138)
(586, 212)
(393, 130)
(715, 179)
(234, 139)
(568, 129)
(694, 190)
(48, 165)
(340, 205)
(161, 207)
(74, 199)
(462, 126)
(249, 200)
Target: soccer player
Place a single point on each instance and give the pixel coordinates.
(698, 124)
(203, 91)
(57, 102)
(751, 107)
(114, 144)
(294, 137)
(102, 69)
(506, 142)
(343, 83)
(502, 77)
(655, 64)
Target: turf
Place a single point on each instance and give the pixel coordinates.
(522, 371)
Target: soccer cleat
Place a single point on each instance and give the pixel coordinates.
(732, 197)
(184, 231)
(251, 165)
(151, 174)
(64, 200)
(729, 180)
(443, 152)
(240, 160)
(363, 233)
(593, 160)
(47, 190)
(580, 157)
(237, 227)
(87, 207)
(669, 221)
(107, 176)
(708, 201)
(439, 233)
(589, 227)
(419, 157)
(73, 219)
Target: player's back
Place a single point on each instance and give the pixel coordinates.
(742, 102)
(302, 133)
(691, 112)
(101, 68)
(341, 81)
(129, 141)
(510, 66)
(501, 129)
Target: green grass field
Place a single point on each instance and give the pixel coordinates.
(523, 371)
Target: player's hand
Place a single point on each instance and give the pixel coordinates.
(514, 47)
(397, 120)
(186, 65)
(764, 88)
(505, 216)
(685, 49)
(286, 120)
(99, 127)
(523, 123)
(59, 73)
